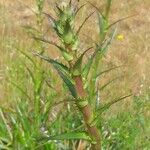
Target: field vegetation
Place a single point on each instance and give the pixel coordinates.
(53, 95)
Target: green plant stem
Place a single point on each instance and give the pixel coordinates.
(88, 115)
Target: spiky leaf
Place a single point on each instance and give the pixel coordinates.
(63, 71)
(87, 66)
(107, 106)
(106, 71)
(78, 64)
(103, 24)
(109, 41)
(79, 29)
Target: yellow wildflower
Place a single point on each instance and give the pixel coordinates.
(120, 37)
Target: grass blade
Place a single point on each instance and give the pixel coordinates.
(45, 41)
(102, 27)
(68, 82)
(84, 22)
(27, 56)
(79, 9)
(96, 8)
(63, 71)
(108, 83)
(78, 64)
(52, 61)
(20, 89)
(108, 42)
(122, 19)
(65, 54)
(87, 67)
(6, 125)
(108, 70)
(106, 106)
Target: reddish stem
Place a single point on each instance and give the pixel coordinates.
(88, 115)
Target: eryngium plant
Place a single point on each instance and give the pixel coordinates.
(81, 76)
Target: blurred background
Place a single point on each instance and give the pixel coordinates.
(130, 49)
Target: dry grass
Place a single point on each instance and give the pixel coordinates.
(132, 50)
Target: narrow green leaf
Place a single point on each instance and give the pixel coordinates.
(107, 43)
(78, 64)
(79, 29)
(119, 20)
(63, 71)
(23, 118)
(99, 11)
(87, 67)
(31, 30)
(6, 125)
(69, 136)
(108, 70)
(52, 61)
(66, 55)
(79, 9)
(107, 106)
(102, 27)
(45, 41)
(68, 82)
(26, 55)
(20, 89)
(108, 83)
(30, 73)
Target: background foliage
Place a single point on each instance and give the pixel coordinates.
(23, 78)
